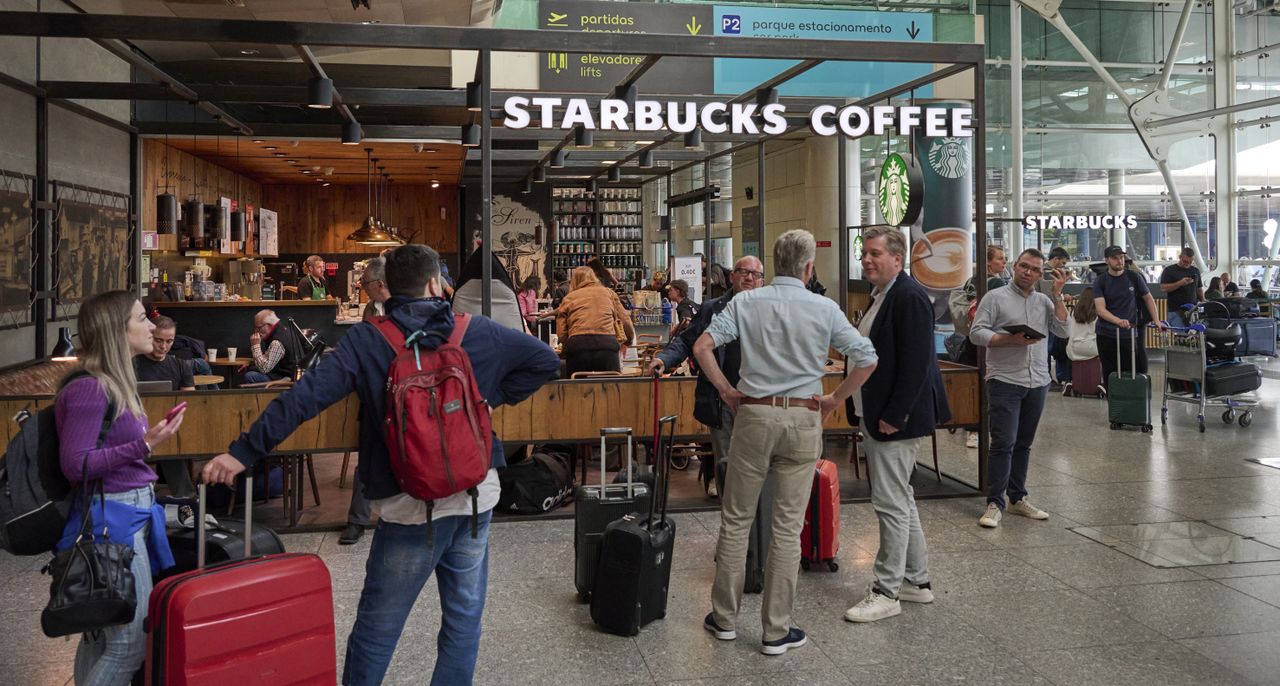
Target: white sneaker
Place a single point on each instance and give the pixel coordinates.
(1026, 509)
(991, 518)
(873, 608)
(910, 593)
(971, 440)
(712, 491)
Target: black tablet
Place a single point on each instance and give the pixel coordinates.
(1025, 331)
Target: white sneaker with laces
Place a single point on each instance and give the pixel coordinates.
(1025, 509)
(910, 593)
(873, 608)
(991, 518)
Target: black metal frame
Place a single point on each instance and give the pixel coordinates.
(111, 31)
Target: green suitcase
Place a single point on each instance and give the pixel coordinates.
(1129, 397)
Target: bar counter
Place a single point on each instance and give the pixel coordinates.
(222, 324)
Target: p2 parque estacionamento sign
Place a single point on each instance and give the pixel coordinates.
(738, 118)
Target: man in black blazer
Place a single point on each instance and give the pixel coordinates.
(899, 406)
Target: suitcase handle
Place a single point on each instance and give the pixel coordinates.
(604, 460)
(201, 503)
(663, 454)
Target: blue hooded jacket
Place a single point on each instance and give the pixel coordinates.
(508, 365)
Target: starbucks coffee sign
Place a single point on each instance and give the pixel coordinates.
(739, 117)
(901, 194)
(1080, 221)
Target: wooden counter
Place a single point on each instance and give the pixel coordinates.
(256, 304)
(561, 411)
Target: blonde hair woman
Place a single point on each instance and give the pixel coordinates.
(587, 323)
(113, 328)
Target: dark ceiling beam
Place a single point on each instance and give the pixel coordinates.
(104, 26)
(582, 155)
(444, 133)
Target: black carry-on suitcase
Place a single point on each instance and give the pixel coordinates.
(761, 531)
(1231, 378)
(634, 573)
(596, 506)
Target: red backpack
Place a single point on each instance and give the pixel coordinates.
(438, 430)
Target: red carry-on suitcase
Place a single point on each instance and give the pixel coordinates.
(820, 540)
(259, 620)
(1086, 379)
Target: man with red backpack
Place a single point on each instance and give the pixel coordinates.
(434, 506)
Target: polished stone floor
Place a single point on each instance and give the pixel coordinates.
(1028, 603)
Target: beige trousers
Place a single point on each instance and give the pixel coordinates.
(787, 442)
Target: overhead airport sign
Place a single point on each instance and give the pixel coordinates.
(739, 118)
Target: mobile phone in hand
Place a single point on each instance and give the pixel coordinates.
(174, 412)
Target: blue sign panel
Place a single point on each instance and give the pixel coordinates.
(832, 79)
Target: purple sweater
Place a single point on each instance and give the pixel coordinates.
(121, 462)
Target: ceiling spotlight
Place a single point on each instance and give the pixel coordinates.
(306, 171)
(270, 147)
(431, 151)
(590, 185)
(320, 93)
(435, 183)
(693, 139)
(615, 174)
(528, 185)
(258, 140)
(473, 96)
(351, 132)
(583, 137)
(326, 184)
(646, 159)
(291, 161)
(557, 159)
(248, 51)
(470, 136)
(539, 174)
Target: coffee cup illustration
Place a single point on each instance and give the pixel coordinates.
(942, 258)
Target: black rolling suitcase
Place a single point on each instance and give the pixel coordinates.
(761, 531)
(1231, 378)
(223, 542)
(595, 507)
(634, 573)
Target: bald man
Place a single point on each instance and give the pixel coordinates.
(275, 349)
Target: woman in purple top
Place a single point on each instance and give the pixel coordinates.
(113, 327)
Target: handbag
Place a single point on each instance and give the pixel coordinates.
(93, 585)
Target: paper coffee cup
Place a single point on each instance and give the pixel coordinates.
(213, 354)
(231, 354)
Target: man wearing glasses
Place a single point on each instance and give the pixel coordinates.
(275, 350)
(1012, 323)
(747, 274)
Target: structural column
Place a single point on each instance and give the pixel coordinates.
(1015, 130)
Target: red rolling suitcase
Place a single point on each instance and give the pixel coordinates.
(258, 620)
(820, 540)
(1086, 379)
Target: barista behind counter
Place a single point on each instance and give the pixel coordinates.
(312, 285)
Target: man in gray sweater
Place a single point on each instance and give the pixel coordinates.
(1012, 323)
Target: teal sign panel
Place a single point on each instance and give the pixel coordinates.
(831, 79)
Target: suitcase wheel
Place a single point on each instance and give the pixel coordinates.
(1200, 418)
(585, 597)
(1164, 415)
(832, 565)
(1246, 419)
(804, 564)
(1147, 428)
(1114, 426)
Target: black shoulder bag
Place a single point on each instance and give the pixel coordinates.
(93, 586)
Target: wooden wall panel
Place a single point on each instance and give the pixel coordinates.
(187, 176)
(315, 219)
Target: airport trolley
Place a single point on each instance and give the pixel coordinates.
(1185, 359)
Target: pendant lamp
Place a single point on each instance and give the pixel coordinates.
(63, 350)
(166, 202)
(369, 233)
(237, 217)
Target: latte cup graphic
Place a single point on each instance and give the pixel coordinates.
(942, 258)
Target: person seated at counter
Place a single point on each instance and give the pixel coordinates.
(503, 307)
(312, 285)
(283, 349)
(159, 365)
(587, 323)
(1256, 292)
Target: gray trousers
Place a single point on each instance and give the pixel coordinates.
(720, 442)
(903, 553)
(360, 511)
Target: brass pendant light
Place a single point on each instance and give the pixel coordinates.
(369, 232)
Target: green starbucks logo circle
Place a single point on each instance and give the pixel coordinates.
(901, 191)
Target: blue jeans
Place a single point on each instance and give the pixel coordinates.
(1061, 363)
(400, 562)
(1176, 318)
(255, 377)
(1014, 413)
(110, 656)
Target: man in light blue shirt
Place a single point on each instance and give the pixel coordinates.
(784, 332)
(1017, 378)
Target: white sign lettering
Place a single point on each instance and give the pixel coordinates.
(1080, 221)
(738, 118)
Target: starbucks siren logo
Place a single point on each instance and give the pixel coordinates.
(901, 191)
(948, 157)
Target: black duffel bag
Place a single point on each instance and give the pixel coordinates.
(540, 484)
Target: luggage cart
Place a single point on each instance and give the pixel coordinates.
(1185, 360)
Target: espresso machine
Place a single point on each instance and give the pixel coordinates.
(244, 278)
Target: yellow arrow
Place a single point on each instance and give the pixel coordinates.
(693, 26)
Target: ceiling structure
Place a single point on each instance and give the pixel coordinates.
(273, 161)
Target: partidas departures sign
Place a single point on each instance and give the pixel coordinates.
(738, 118)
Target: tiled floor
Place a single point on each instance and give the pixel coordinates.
(1029, 603)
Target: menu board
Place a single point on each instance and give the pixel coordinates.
(690, 270)
(268, 242)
